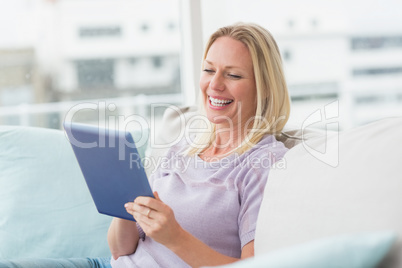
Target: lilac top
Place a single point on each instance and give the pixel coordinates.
(217, 202)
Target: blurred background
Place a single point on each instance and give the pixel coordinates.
(107, 60)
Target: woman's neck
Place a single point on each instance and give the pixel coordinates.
(225, 143)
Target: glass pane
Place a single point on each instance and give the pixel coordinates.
(88, 60)
(335, 53)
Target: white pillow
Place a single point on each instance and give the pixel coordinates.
(306, 198)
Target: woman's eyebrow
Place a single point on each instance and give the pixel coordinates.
(226, 67)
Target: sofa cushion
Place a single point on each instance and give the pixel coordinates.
(46, 209)
(354, 250)
(314, 197)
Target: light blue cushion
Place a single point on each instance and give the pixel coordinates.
(348, 251)
(46, 210)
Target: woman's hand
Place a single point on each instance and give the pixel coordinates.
(156, 219)
(158, 222)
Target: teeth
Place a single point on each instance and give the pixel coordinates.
(218, 102)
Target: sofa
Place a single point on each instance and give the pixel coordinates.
(342, 211)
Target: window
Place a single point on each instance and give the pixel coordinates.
(60, 69)
(145, 27)
(157, 62)
(313, 91)
(377, 71)
(17, 75)
(369, 43)
(287, 55)
(314, 23)
(336, 51)
(45, 70)
(93, 32)
(171, 26)
(95, 73)
(291, 24)
(368, 99)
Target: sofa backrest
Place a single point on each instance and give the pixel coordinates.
(312, 199)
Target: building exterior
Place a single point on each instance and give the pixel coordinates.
(374, 81)
(71, 50)
(347, 52)
(110, 49)
(80, 50)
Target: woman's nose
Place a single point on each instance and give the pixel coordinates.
(217, 82)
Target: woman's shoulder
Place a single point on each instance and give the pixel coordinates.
(267, 151)
(268, 143)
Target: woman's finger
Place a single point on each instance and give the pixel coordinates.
(142, 220)
(157, 196)
(129, 208)
(138, 208)
(150, 202)
(145, 212)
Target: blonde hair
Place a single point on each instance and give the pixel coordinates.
(273, 104)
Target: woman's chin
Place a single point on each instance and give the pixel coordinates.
(220, 120)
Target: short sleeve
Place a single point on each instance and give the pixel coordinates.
(250, 200)
(252, 187)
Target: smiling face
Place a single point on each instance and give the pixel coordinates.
(227, 83)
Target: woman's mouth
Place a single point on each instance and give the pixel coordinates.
(219, 102)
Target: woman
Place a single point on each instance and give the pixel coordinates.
(205, 213)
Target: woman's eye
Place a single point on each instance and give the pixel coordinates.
(208, 70)
(234, 76)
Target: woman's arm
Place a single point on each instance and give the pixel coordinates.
(195, 253)
(122, 237)
(158, 222)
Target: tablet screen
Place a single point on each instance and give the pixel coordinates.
(111, 166)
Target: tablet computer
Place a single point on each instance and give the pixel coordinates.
(111, 166)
